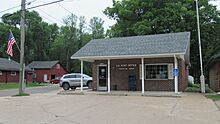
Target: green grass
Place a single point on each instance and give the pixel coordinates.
(22, 94)
(4, 86)
(196, 88)
(213, 97)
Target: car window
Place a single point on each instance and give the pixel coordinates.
(72, 76)
(68, 76)
(78, 76)
(86, 76)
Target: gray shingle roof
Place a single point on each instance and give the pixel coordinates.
(42, 64)
(10, 65)
(136, 45)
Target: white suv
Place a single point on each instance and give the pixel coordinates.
(73, 80)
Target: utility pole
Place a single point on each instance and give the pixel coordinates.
(22, 26)
(202, 77)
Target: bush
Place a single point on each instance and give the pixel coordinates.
(196, 88)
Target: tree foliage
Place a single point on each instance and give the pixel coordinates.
(48, 41)
(96, 26)
(141, 17)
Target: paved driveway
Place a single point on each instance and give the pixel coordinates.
(92, 109)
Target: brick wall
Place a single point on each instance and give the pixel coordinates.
(214, 77)
(58, 72)
(119, 76)
(218, 77)
(3, 77)
(7, 77)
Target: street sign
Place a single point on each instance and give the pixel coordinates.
(175, 72)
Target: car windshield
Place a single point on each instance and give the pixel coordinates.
(86, 76)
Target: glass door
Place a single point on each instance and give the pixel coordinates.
(102, 78)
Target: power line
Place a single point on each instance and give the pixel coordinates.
(50, 16)
(45, 4)
(48, 19)
(28, 3)
(10, 8)
(65, 8)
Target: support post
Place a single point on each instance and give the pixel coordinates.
(109, 86)
(176, 76)
(142, 73)
(81, 88)
(22, 23)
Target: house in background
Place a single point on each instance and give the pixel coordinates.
(44, 71)
(9, 71)
(213, 67)
(145, 63)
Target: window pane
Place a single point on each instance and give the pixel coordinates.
(78, 76)
(156, 71)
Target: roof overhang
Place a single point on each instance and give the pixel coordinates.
(93, 58)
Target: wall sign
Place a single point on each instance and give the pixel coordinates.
(175, 72)
(125, 67)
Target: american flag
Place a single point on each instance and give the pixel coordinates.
(11, 42)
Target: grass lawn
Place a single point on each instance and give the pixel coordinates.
(196, 88)
(23, 94)
(4, 86)
(213, 97)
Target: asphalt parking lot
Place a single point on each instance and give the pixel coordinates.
(51, 108)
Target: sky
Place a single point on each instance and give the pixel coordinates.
(55, 13)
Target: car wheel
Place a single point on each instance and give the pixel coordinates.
(89, 84)
(73, 88)
(66, 86)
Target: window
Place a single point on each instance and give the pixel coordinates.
(78, 76)
(159, 71)
(70, 76)
(58, 66)
(13, 73)
(0, 72)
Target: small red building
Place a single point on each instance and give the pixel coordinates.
(44, 71)
(9, 71)
(213, 67)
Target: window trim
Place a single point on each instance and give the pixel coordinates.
(167, 64)
(58, 66)
(13, 73)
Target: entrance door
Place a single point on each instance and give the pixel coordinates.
(53, 76)
(102, 78)
(45, 77)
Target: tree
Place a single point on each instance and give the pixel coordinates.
(70, 39)
(39, 35)
(96, 27)
(48, 41)
(139, 17)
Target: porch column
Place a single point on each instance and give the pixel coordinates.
(81, 88)
(176, 75)
(109, 76)
(142, 73)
